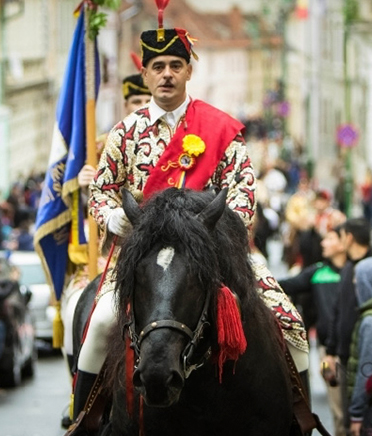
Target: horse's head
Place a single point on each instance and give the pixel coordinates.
(168, 270)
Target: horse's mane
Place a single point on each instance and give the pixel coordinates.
(217, 256)
(170, 219)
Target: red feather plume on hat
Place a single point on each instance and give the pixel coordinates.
(136, 60)
(161, 4)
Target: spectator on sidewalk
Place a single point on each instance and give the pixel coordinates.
(297, 215)
(360, 360)
(321, 281)
(366, 195)
(324, 218)
(355, 235)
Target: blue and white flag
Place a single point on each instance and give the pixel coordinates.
(60, 195)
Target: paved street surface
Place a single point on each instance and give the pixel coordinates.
(35, 408)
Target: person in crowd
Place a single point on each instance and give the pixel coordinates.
(6, 216)
(310, 216)
(276, 183)
(262, 231)
(323, 218)
(366, 195)
(321, 280)
(356, 238)
(297, 219)
(16, 200)
(24, 237)
(132, 158)
(360, 360)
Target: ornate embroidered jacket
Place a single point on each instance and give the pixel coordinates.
(134, 147)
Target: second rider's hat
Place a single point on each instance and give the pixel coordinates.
(134, 85)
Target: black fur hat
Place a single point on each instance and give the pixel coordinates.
(133, 85)
(173, 42)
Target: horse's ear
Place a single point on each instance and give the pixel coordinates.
(130, 206)
(213, 212)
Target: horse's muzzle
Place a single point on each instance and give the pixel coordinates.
(161, 389)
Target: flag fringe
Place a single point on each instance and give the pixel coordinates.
(58, 329)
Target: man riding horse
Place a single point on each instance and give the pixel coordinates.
(173, 141)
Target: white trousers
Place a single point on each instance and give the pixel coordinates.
(94, 350)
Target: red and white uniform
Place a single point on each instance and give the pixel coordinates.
(132, 151)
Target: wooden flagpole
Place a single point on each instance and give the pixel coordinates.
(90, 121)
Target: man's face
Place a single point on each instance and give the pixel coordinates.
(346, 239)
(135, 102)
(332, 245)
(321, 204)
(166, 78)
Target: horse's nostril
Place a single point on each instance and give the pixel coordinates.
(137, 382)
(175, 380)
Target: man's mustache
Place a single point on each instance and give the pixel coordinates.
(167, 83)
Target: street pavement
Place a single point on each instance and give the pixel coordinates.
(35, 408)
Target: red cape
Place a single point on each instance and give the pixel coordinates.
(215, 128)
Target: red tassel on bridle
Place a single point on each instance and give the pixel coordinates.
(230, 334)
(161, 4)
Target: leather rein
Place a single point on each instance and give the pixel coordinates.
(194, 336)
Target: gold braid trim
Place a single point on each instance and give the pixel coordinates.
(128, 85)
(160, 50)
(67, 188)
(47, 229)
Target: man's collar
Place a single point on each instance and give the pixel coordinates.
(157, 112)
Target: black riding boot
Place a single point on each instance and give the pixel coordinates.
(71, 363)
(84, 384)
(66, 420)
(304, 375)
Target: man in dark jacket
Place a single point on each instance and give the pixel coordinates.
(356, 237)
(359, 363)
(321, 280)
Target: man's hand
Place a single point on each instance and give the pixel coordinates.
(329, 361)
(117, 222)
(86, 175)
(328, 370)
(355, 428)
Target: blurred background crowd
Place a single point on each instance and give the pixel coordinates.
(18, 213)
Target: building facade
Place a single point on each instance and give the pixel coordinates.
(326, 90)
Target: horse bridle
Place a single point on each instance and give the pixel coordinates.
(194, 336)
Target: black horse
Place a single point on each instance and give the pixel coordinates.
(183, 247)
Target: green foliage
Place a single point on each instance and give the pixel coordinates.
(97, 20)
(351, 11)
